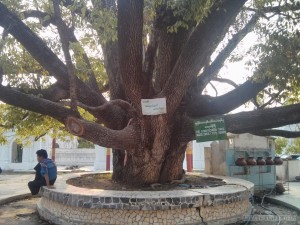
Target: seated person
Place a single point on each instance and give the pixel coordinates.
(45, 172)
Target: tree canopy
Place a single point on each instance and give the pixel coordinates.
(294, 147)
(280, 145)
(88, 63)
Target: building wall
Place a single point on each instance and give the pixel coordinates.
(288, 170)
(251, 141)
(220, 159)
(75, 157)
(68, 155)
(29, 152)
(100, 159)
(198, 155)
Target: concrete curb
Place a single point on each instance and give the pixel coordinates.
(17, 198)
(280, 202)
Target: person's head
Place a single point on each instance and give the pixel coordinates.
(41, 154)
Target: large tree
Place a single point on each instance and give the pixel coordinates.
(64, 59)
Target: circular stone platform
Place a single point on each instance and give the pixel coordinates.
(70, 205)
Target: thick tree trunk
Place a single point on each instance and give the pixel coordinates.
(172, 166)
(157, 159)
(144, 169)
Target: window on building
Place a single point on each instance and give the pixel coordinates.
(17, 153)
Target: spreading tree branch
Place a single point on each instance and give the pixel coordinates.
(246, 122)
(213, 87)
(251, 122)
(110, 48)
(99, 111)
(115, 115)
(202, 105)
(36, 138)
(272, 98)
(224, 80)
(4, 35)
(35, 104)
(91, 131)
(201, 43)
(275, 132)
(65, 38)
(53, 93)
(77, 7)
(277, 9)
(44, 18)
(58, 22)
(43, 54)
(100, 135)
(213, 69)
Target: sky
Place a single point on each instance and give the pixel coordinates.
(235, 71)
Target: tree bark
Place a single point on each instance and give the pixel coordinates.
(157, 159)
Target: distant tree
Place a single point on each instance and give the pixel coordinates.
(82, 143)
(294, 147)
(280, 144)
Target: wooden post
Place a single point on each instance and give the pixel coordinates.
(108, 159)
(189, 157)
(53, 149)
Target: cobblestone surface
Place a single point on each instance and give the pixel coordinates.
(24, 213)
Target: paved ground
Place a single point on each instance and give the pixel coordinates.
(21, 213)
(24, 212)
(262, 216)
(14, 185)
(290, 198)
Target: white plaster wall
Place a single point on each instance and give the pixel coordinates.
(66, 155)
(72, 157)
(198, 155)
(70, 143)
(29, 152)
(288, 170)
(5, 156)
(251, 141)
(100, 159)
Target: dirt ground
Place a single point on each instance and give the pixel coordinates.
(21, 213)
(24, 213)
(104, 181)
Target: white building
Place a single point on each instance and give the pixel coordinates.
(14, 156)
(198, 156)
(18, 157)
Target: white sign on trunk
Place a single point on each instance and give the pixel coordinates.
(155, 106)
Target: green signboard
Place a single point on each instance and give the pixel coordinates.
(210, 129)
